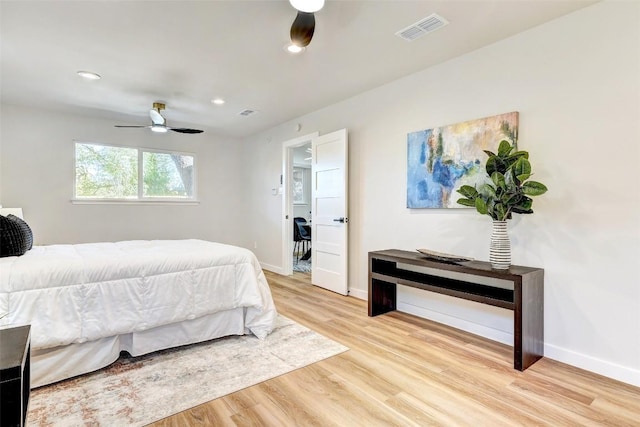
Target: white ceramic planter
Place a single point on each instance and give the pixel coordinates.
(500, 248)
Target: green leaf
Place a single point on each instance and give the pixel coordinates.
(495, 164)
(492, 165)
(467, 202)
(498, 180)
(511, 181)
(505, 148)
(512, 159)
(524, 204)
(488, 190)
(489, 153)
(481, 206)
(500, 211)
(468, 191)
(533, 188)
(510, 199)
(521, 211)
(508, 179)
(522, 169)
(519, 154)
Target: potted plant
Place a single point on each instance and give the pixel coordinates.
(509, 191)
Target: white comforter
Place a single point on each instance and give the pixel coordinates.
(78, 293)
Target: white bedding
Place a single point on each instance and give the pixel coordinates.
(72, 294)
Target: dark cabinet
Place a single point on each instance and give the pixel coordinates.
(15, 351)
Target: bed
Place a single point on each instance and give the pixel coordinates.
(88, 302)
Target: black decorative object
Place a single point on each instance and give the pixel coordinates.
(16, 236)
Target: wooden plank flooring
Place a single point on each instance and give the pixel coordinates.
(405, 371)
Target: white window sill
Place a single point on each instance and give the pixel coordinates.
(134, 202)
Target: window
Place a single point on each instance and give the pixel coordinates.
(105, 172)
(298, 186)
(167, 175)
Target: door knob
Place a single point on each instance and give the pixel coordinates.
(341, 219)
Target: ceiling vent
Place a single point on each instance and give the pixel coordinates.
(422, 27)
(247, 113)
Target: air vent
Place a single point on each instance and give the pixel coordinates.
(247, 112)
(422, 27)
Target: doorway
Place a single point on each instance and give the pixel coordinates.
(296, 204)
(301, 199)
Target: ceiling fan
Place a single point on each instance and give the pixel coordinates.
(159, 123)
(305, 23)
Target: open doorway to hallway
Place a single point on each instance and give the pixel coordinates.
(301, 207)
(297, 161)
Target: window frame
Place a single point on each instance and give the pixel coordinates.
(140, 198)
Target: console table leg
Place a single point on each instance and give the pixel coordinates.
(382, 294)
(382, 297)
(529, 321)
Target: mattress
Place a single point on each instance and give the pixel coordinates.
(72, 294)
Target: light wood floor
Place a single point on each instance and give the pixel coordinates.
(406, 371)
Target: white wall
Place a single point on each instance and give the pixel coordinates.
(576, 83)
(37, 174)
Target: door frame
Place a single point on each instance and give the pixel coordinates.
(287, 203)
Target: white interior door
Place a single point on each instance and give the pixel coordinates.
(329, 212)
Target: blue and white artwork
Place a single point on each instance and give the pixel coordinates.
(442, 159)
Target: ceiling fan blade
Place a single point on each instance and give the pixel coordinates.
(156, 117)
(124, 126)
(186, 130)
(302, 29)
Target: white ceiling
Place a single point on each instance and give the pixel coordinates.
(187, 52)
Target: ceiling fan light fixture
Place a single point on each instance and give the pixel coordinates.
(89, 75)
(159, 128)
(294, 48)
(308, 6)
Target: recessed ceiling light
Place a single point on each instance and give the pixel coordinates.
(89, 75)
(217, 101)
(292, 48)
(308, 6)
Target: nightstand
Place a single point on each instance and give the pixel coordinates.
(15, 351)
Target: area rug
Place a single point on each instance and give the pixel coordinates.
(138, 391)
(301, 265)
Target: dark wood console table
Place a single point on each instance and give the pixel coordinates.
(526, 299)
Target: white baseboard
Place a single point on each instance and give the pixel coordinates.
(272, 268)
(464, 325)
(359, 293)
(588, 363)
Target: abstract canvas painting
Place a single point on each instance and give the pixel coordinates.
(442, 159)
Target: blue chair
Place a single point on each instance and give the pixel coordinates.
(301, 234)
